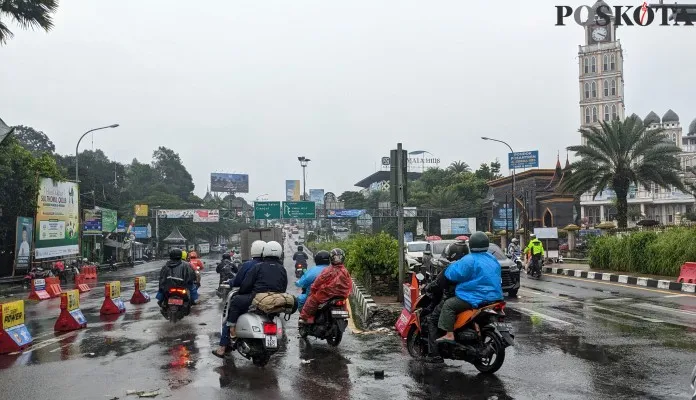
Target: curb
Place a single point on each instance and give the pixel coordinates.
(366, 305)
(624, 279)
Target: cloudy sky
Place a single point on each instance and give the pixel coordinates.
(247, 86)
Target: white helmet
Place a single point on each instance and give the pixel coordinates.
(514, 240)
(257, 248)
(272, 249)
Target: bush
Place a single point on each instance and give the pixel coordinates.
(645, 252)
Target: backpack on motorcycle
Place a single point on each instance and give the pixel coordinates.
(275, 303)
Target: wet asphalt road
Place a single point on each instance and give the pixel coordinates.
(574, 340)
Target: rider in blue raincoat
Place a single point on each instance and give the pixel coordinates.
(321, 260)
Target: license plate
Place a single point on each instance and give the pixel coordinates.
(503, 326)
(342, 314)
(271, 341)
(175, 301)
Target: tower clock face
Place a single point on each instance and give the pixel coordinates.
(599, 34)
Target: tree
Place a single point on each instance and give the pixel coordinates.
(353, 200)
(35, 141)
(28, 14)
(172, 172)
(459, 167)
(619, 153)
(489, 172)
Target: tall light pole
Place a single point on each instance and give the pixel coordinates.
(514, 198)
(303, 162)
(77, 146)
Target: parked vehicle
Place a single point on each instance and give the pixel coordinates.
(413, 253)
(481, 335)
(330, 322)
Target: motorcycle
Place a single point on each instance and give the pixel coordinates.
(330, 322)
(300, 269)
(534, 270)
(176, 304)
(481, 335)
(36, 273)
(257, 334)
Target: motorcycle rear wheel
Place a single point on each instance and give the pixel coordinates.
(172, 315)
(335, 339)
(491, 365)
(415, 344)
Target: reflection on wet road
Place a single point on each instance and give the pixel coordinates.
(574, 340)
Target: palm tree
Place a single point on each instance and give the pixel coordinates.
(459, 167)
(28, 14)
(621, 153)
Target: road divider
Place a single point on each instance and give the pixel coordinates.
(89, 271)
(53, 286)
(623, 279)
(112, 299)
(140, 296)
(71, 317)
(14, 335)
(38, 290)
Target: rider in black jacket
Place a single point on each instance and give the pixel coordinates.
(175, 273)
(226, 268)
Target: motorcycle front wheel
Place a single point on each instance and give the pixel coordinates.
(493, 362)
(416, 346)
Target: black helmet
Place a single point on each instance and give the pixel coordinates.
(175, 254)
(455, 251)
(299, 248)
(322, 258)
(337, 256)
(226, 256)
(478, 242)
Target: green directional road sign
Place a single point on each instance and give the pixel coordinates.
(299, 209)
(266, 210)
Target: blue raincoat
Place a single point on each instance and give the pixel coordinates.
(306, 283)
(478, 279)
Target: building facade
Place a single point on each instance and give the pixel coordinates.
(601, 86)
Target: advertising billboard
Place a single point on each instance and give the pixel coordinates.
(109, 220)
(57, 219)
(141, 232)
(121, 227)
(316, 195)
(457, 226)
(229, 183)
(344, 213)
(292, 190)
(91, 223)
(141, 210)
(523, 159)
(206, 216)
(25, 235)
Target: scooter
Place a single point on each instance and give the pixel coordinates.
(330, 322)
(258, 334)
(300, 269)
(176, 304)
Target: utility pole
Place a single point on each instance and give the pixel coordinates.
(398, 192)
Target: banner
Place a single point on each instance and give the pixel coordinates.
(92, 224)
(24, 239)
(141, 210)
(121, 226)
(316, 195)
(292, 190)
(457, 226)
(140, 232)
(109, 220)
(206, 216)
(73, 299)
(175, 214)
(523, 159)
(344, 213)
(12, 314)
(57, 219)
(229, 183)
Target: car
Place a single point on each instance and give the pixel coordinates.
(414, 253)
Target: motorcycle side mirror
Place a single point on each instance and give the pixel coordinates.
(420, 277)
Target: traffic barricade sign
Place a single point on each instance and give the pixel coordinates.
(53, 286)
(112, 299)
(411, 293)
(140, 296)
(71, 317)
(687, 273)
(14, 336)
(38, 290)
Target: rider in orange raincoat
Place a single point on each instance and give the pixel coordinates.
(334, 281)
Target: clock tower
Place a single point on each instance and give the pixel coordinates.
(601, 71)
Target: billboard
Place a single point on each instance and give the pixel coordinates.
(109, 220)
(91, 222)
(141, 232)
(229, 183)
(206, 216)
(141, 210)
(57, 219)
(523, 159)
(292, 190)
(316, 195)
(121, 226)
(344, 213)
(24, 235)
(457, 226)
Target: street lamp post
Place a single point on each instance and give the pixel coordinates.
(303, 162)
(77, 180)
(514, 198)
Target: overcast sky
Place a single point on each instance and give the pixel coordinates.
(247, 86)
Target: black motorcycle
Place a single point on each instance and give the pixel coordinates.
(300, 268)
(176, 304)
(329, 323)
(534, 270)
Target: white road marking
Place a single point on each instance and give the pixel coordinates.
(618, 299)
(661, 308)
(541, 294)
(611, 310)
(678, 295)
(542, 316)
(49, 342)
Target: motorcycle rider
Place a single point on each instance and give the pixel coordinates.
(478, 280)
(268, 276)
(256, 257)
(334, 281)
(300, 255)
(175, 273)
(514, 248)
(226, 268)
(534, 250)
(321, 260)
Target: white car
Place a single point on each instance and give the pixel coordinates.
(414, 252)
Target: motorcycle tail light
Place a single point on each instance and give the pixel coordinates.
(270, 328)
(340, 303)
(179, 291)
(500, 306)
